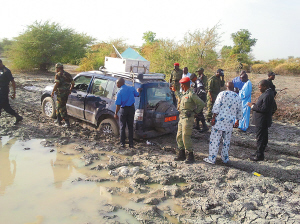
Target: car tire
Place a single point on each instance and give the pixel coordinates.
(109, 126)
(48, 107)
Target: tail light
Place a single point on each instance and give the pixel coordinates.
(139, 114)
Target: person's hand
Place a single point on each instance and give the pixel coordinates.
(116, 116)
(172, 88)
(250, 104)
(13, 95)
(139, 90)
(213, 121)
(213, 99)
(236, 124)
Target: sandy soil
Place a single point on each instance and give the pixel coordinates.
(212, 193)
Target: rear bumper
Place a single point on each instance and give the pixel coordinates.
(140, 133)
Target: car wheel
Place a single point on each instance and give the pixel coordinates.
(109, 126)
(48, 107)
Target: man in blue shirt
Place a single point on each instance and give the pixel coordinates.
(125, 104)
(238, 82)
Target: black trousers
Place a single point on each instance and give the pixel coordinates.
(127, 118)
(200, 117)
(4, 103)
(261, 139)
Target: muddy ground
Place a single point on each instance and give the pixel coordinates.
(206, 193)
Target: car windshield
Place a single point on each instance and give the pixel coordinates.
(157, 94)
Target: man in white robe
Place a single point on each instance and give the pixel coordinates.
(227, 111)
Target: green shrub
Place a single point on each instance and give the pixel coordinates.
(44, 44)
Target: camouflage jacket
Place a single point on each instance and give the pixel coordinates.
(64, 80)
(214, 85)
(189, 103)
(176, 76)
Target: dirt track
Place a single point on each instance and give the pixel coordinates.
(213, 193)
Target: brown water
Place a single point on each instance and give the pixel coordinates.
(36, 187)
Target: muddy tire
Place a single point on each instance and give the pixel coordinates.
(109, 126)
(48, 107)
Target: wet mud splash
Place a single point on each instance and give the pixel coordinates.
(37, 186)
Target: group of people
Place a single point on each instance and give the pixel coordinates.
(63, 86)
(225, 110)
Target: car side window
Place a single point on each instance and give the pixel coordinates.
(99, 87)
(82, 83)
(110, 88)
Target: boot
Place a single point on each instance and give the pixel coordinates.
(67, 124)
(190, 159)
(180, 155)
(58, 120)
(18, 119)
(204, 127)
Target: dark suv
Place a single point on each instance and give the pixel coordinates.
(93, 100)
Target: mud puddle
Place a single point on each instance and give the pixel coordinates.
(36, 186)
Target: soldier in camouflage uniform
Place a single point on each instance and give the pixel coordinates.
(63, 85)
(213, 88)
(190, 104)
(176, 75)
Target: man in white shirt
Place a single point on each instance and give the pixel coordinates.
(227, 108)
(186, 74)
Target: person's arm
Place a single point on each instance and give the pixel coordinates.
(116, 112)
(118, 103)
(222, 81)
(213, 120)
(54, 89)
(209, 89)
(13, 83)
(55, 86)
(265, 106)
(199, 103)
(72, 86)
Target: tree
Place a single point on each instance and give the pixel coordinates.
(225, 52)
(242, 45)
(199, 48)
(149, 37)
(44, 44)
(95, 56)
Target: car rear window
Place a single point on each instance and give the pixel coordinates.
(157, 94)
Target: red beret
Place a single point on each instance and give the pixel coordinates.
(176, 64)
(184, 80)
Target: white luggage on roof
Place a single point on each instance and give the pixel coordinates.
(128, 61)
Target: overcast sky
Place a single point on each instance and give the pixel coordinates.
(274, 23)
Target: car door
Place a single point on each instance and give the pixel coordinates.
(99, 99)
(76, 101)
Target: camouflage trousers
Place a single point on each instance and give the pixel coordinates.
(61, 102)
(184, 133)
(210, 105)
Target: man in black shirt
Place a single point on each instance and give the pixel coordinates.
(5, 78)
(271, 77)
(199, 89)
(262, 118)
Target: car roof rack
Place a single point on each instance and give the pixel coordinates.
(132, 75)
